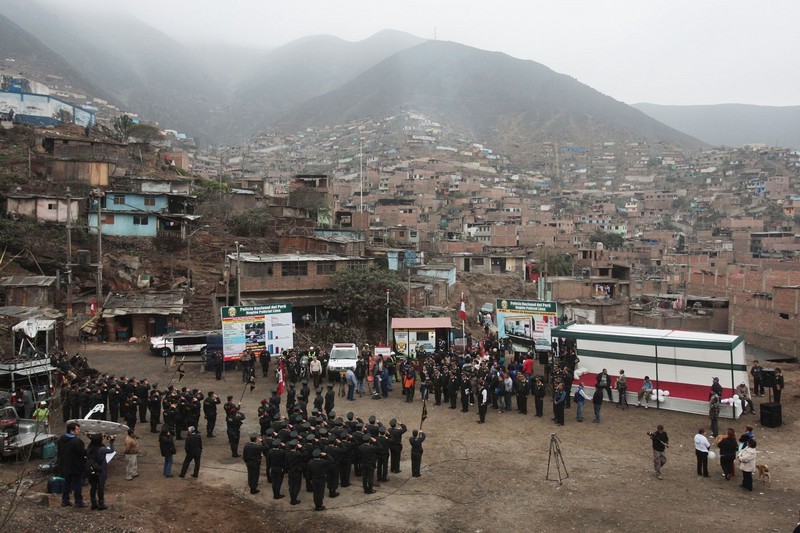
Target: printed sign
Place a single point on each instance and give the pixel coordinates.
(258, 328)
(525, 319)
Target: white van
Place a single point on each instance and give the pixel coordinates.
(343, 356)
(182, 343)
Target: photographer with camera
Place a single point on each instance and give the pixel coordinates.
(660, 441)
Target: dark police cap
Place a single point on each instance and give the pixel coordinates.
(393, 422)
(292, 443)
(339, 421)
(381, 429)
(253, 436)
(331, 415)
(359, 426)
(350, 415)
(276, 443)
(365, 438)
(309, 438)
(316, 453)
(293, 434)
(344, 434)
(372, 419)
(323, 432)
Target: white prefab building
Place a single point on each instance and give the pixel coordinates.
(681, 362)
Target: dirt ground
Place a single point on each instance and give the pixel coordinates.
(489, 477)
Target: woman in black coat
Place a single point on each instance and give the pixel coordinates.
(166, 443)
(97, 467)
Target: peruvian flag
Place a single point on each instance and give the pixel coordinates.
(462, 310)
(281, 378)
(93, 308)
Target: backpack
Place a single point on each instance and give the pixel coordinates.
(577, 396)
(93, 466)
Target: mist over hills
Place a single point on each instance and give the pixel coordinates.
(224, 94)
(732, 124)
(490, 94)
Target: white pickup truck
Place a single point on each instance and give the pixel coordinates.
(18, 434)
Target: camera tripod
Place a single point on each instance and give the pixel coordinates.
(558, 460)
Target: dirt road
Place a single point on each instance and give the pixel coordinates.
(475, 477)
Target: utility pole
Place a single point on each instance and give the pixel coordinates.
(388, 339)
(408, 295)
(69, 253)
(238, 274)
(99, 249)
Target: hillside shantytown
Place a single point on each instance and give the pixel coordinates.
(614, 232)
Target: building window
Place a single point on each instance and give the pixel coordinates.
(119, 199)
(294, 268)
(108, 220)
(477, 261)
(326, 268)
(149, 200)
(257, 270)
(140, 220)
(51, 207)
(356, 265)
(785, 316)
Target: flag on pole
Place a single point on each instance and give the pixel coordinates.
(424, 413)
(462, 310)
(281, 378)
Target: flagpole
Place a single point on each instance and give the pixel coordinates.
(424, 414)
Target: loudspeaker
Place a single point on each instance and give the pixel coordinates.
(771, 415)
(767, 378)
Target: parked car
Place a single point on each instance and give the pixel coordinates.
(343, 356)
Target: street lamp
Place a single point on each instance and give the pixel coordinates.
(238, 273)
(189, 252)
(388, 338)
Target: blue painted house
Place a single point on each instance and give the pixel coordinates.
(137, 214)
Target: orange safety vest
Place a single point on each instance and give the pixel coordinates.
(409, 382)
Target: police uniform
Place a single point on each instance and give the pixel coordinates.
(396, 444)
(318, 469)
(416, 441)
(276, 458)
(251, 455)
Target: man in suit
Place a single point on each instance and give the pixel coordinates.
(194, 449)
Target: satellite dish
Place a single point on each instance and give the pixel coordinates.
(31, 327)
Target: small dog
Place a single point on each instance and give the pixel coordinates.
(763, 475)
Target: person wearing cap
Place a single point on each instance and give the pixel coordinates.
(295, 464)
(234, 424)
(416, 440)
(744, 397)
(194, 449)
(716, 388)
(305, 392)
(210, 412)
(713, 414)
(396, 444)
(330, 399)
(276, 460)
(318, 472)
(368, 455)
(319, 400)
(251, 455)
(42, 414)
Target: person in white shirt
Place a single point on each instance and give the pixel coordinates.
(701, 447)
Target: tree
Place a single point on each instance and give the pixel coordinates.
(144, 132)
(611, 241)
(122, 127)
(251, 223)
(63, 116)
(360, 295)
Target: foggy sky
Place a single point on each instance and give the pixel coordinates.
(668, 52)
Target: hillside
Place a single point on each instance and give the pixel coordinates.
(489, 94)
(732, 124)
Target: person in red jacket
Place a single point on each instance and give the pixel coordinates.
(527, 367)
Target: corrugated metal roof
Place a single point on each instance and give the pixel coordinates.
(421, 323)
(27, 281)
(169, 303)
